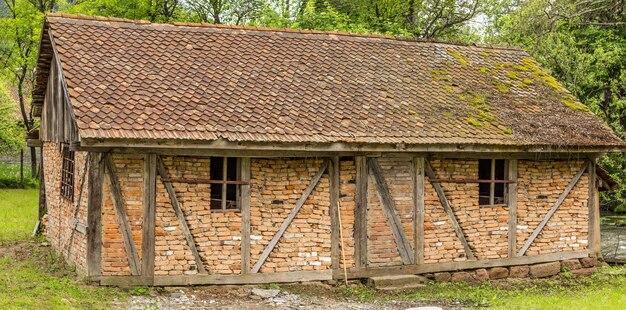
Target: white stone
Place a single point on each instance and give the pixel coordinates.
(255, 237)
(170, 228)
(170, 253)
(439, 223)
(236, 237)
(522, 226)
(504, 228)
(439, 244)
(315, 263)
(263, 293)
(324, 259)
(583, 241)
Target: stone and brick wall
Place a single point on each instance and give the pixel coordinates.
(276, 185)
(540, 185)
(129, 170)
(382, 248)
(61, 211)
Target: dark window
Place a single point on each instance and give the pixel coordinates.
(67, 173)
(224, 196)
(491, 193)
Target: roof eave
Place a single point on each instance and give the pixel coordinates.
(340, 147)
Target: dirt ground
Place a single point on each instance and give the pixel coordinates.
(295, 296)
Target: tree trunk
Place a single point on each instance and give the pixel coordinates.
(33, 162)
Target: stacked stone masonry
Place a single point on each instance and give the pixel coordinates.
(583, 266)
(275, 186)
(64, 214)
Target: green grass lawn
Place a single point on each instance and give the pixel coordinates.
(605, 289)
(18, 213)
(34, 276)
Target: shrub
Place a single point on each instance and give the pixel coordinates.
(10, 177)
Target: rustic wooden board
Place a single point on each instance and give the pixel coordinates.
(360, 213)
(245, 215)
(389, 209)
(162, 171)
(418, 202)
(591, 172)
(550, 213)
(512, 204)
(333, 172)
(94, 215)
(216, 279)
(292, 215)
(149, 216)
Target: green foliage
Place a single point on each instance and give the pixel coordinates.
(12, 134)
(10, 176)
(141, 291)
(583, 45)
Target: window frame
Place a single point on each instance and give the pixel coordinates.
(68, 165)
(223, 183)
(493, 181)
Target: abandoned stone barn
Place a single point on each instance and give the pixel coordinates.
(180, 154)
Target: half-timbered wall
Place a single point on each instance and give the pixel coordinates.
(66, 219)
(276, 186)
(306, 244)
(540, 184)
(381, 244)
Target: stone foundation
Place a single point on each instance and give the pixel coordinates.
(583, 266)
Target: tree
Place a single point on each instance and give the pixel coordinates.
(583, 44)
(225, 11)
(19, 39)
(417, 18)
(11, 133)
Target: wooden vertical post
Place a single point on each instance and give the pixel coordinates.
(245, 215)
(224, 178)
(492, 186)
(418, 202)
(42, 187)
(333, 173)
(94, 215)
(512, 205)
(591, 202)
(360, 213)
(149, 216)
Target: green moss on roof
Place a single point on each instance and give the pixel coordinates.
(474, 122)
(460, 58)
(440, 75)
(572, 103)
(511, 75)
(484, 70)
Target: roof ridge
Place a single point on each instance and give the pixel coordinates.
(290, 30)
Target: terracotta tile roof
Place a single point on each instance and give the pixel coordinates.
(137, 80)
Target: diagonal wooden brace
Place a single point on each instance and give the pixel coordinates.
(550, 213)
(290, 218)
(428, 169)
(389, 209)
